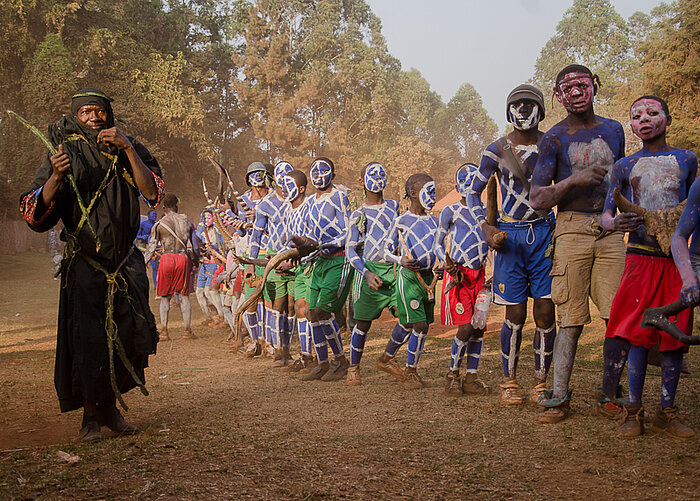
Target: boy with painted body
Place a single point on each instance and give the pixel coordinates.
(258, 179)
(295, 224)
(572, 172)
(468, 252)
(521, 269)
(373, 287)
(279, 319)
(212, 244)
(413, 235)
(656, 177)
(331, 277)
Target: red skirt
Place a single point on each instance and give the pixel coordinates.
(647, 282)
(457, 308)
(173, 275)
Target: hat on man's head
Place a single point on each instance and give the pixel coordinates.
(525, 91)
(93, 95)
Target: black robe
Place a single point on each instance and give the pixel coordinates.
(82, 372)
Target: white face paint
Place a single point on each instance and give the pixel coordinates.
(427, 195)
(525, 114)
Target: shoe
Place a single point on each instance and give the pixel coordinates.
(632, 422)
(388, 364)
(300, 363)
(163, 334)
(316, 373)
(667, 421)
(269, 351)
(90, 431)
(208, 322)
(411, 379)
(338, 369)
(284, 359)
(252, 350)
(277, 359)
(310, 364)
(353, 377)
(554, 414)
(511, 393)
(471, 385)
(611, 409)
(118, 424)
(453, 384)
(537, 391)
(189, 334)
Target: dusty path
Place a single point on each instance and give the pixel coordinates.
(221, 427)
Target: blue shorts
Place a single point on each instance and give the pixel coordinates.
(520, 269)
(206, 274)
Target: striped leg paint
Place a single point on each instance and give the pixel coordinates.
(511, 337)
(415, 348)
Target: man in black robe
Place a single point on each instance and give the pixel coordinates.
(106, 330)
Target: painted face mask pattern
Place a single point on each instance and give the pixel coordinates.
(648, 119)
(375, 178)
(321, 174)
(524, 115)
(426, 196)
(464, 180)
(282, 169)
(290, 190)
(256, 179)
(575, 92)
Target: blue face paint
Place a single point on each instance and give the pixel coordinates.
(282, 169)
(464, 178)
(427, 195)
(152, 216)
(289, 187)
(375, 178)
(321, 174)
(256, 179)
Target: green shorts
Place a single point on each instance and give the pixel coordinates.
(300, 286)
(368, 304)
(330, 283)
(412, 298)
(247, 290)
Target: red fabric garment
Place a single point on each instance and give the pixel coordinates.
(238, 282)
(647, 282)
(173, 275)
(457, 307)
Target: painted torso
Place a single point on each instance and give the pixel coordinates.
(328, 220)
(419, 233)
(377, 221)
(564, 151)
(269, 217)
(468, 247)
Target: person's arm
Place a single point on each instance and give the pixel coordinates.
(352, 243)
(442, 229)
(152, 243)
(544, 194)
(40, 215)
(690, 218)
(625, 221)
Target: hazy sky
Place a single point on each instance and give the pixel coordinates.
(492, 44)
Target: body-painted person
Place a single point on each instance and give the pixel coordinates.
(269, 219)
(142, 239)
(521, 268)
(331, 276)
(572, 172)
(295, 224)
(212, 244)
(413, 236)
(373, 288)
(258, 179)
(174, 231)
(463, 280)
(111, 170)
(657, 177)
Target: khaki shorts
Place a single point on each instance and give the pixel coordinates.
(585, 264)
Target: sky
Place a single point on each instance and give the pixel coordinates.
(491, 44)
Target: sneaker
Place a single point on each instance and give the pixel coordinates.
(554, 414)
(90, 431)
(269, 351)
(388, 364)
(303, 365)
(189, 334)
(411, 379)
(511, 393)
(253, 350)
(353, 377)
(472, 385)
(632, 422)
(163, 334)
(669, 422)
(453, 384)
(537, 391)
(316, 373)
(277, 359)
(338, 369)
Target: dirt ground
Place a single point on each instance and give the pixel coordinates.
(218, 426)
